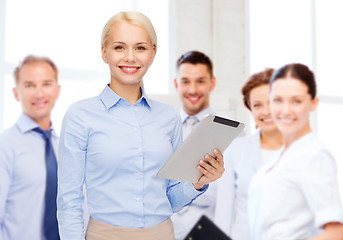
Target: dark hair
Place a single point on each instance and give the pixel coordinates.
(34, 59)
(195, 57)
(300, 72)
(254, 81)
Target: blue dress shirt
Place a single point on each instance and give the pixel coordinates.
(117, 149)
(22, 181)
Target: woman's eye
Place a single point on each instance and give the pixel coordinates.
(141, 48)
(118, 48)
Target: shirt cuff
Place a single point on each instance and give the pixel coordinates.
(327, 216)
(191, 192)
(204, 188)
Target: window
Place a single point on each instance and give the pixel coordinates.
(329, 51)
(69, 33)
(280, 33)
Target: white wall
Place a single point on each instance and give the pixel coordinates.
(217, 28)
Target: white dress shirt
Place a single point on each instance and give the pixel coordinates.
(293, 196)
(243, 158)
(242, 161)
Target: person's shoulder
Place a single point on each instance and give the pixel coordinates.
(316, 146)
(80, 111)
(309, 149)
(157, 103)
(309, 144)
(8, 135)
(83, 105)
(242, 146)
(314, 154)
(84, 102)
(163, 107)
(244, 140)
(9, 131)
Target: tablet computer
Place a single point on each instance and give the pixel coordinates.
(211, 132)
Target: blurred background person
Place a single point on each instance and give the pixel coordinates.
(245, 156)
(28, 167)
(194, 83)
(295, 196)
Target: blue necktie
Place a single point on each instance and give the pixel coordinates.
(50, 225)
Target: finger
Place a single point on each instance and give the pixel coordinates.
(203, 180)
(208, 167)
(219, 156)
(206, 177)
(212, 161)
(206, 174)
(212, 166)
(211, 173)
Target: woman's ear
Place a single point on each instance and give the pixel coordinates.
(154, 49)
(315, 103)
(103, 54)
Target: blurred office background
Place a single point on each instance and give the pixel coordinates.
(241, 36)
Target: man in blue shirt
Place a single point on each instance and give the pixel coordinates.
(23, 166)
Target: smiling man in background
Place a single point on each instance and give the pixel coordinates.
(28, 166)
(194, 83)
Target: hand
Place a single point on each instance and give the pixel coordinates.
(212, 168)
(332, 231)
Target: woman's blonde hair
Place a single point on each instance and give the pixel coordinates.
(132, 17)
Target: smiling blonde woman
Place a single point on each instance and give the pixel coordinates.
(115, 144)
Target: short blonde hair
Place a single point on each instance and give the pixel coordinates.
(30, 59)
(131, 17)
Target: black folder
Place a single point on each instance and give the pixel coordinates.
(205, 229)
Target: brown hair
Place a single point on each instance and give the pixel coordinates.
(300, 72)
(34, 59)
(196, 57)
(255, 80)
